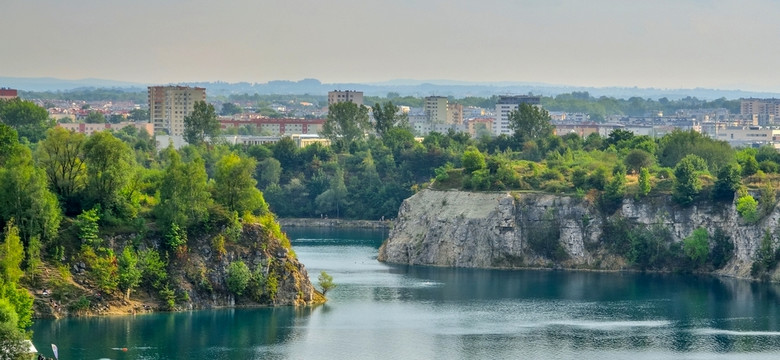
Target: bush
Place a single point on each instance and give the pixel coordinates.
(326, 282)
(747, 207)
(697, 246)
(238, 276)
(722, 249)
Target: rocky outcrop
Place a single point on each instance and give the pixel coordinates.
(203, 272)
(498, 230)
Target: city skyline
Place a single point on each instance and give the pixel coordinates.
(662, 44)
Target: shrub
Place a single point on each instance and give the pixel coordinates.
(238, 276)
(697, 246)
(722, 249)
(747, 207)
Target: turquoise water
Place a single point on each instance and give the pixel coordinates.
(380, 311)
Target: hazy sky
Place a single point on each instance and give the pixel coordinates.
(657, 43)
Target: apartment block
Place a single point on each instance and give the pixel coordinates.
(168, 105)
(338, 96)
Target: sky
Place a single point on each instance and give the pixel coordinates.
(659, 43)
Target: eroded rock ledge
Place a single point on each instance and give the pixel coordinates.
(493, 229)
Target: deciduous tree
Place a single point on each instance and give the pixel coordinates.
(201, 123)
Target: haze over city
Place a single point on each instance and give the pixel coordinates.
(665, 44)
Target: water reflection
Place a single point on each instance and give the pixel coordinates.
(380, 311)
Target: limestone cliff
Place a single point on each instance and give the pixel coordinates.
(498, 229)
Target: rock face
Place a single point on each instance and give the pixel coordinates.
(494, 230)
(203, 271)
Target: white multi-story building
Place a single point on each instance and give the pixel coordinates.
(338, 96)
(507, 104)
(168, 105)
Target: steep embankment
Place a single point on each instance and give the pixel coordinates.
(196, 278)
(514, 230)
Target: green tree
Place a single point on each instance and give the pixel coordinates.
(697, 247)
(727, 183)
(234, 185)
(30, 121)
(11, 255)
(687, 184)
(644, 182)
(201, 123)
(153, 268)
(335, 197)
(9, 140)
(129, 273)
(24, 196)
(387, 117)
(637, 159)
(268, 172)
(184, 194)
(238, 276)
(530, 122)
(747, 208)
(473, 160)
(326, 282)
(139, 115)
(614, 191)
(229, 108)
(61, 156)
(95, 117)
(87, 224)
(109, 162)
(346, 123)
(11, 336)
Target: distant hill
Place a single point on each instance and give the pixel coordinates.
(403, 87)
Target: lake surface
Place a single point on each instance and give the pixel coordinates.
(380, 311)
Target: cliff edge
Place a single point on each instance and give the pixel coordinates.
(521, 230)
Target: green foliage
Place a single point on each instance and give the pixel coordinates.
(326, 282)
(234, 185)
(613, 194)
(388, 117)
(530, 122)
(727, 183)
(678, 144)
(168, 295)
(201, 123)
(102, 268)
(61, 157)
(643, 247)
(25, 197)
(81, 304)
(108, 162)
(638, 159)
(272, 285)
(335, 197)
(229, 108)
(473, 160)
(238, 276)
(87, 225)
(33, 250)
(129, 272)
(722, 249)
(644, 182)
(696, 246)
(29, 120)
(184, 196)
(765, 258)
(153, 268)
(11, 254)
(544, 238)
(747, 208)
(95, 117)
(687, 184)
(346, 123)
(176, 238)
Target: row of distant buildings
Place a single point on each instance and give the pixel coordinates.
(758, 122)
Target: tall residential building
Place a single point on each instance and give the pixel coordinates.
(759, 106)
(168, 105)
(338, 96)
(507, 104)
(455, 113)
(435, 108)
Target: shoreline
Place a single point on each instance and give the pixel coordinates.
(335, 223)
